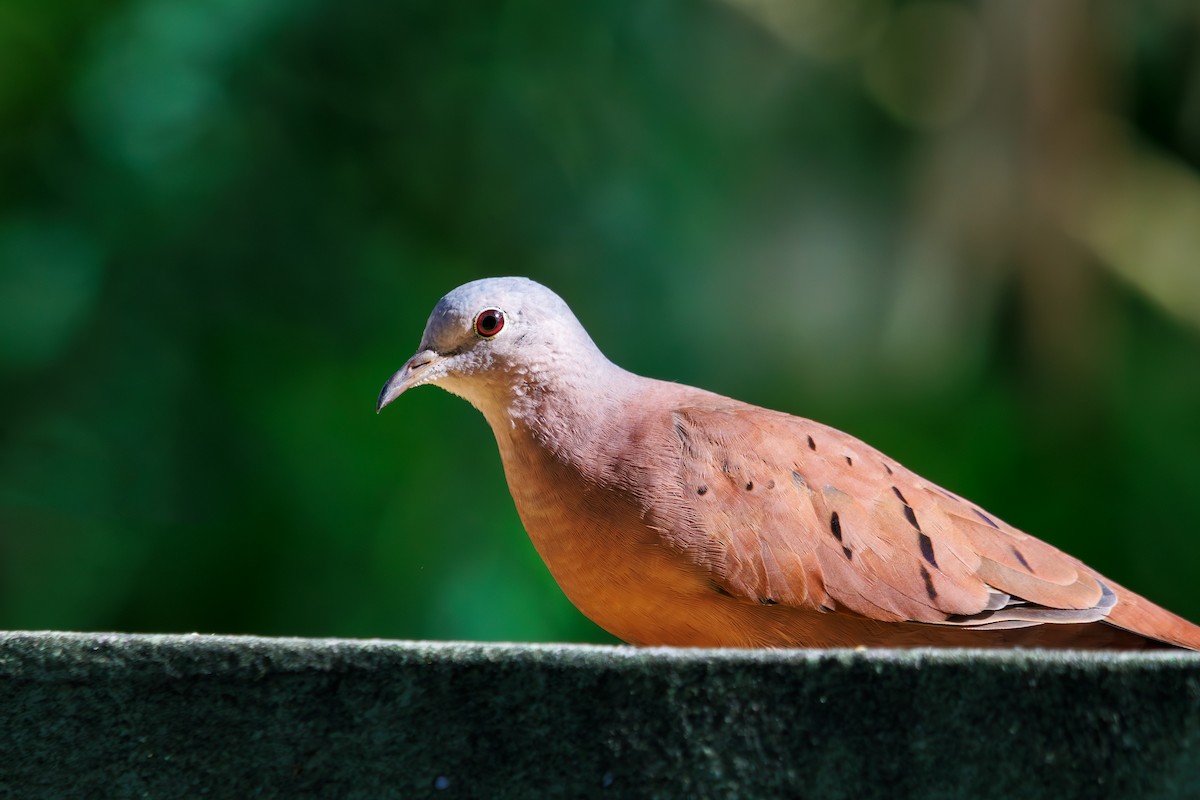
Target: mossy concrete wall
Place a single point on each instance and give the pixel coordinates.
(106, 715)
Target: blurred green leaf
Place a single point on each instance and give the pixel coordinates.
(222, 226)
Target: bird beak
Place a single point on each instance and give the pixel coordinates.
(410, 375)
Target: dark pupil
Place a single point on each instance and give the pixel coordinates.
(487, 323)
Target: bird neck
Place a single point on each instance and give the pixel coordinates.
(566, 406)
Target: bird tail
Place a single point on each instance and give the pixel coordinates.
(1136, 614)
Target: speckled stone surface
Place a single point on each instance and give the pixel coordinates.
(111, 715)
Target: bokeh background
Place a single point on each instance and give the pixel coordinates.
(968, 233)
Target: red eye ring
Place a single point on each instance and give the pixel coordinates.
(489, 322)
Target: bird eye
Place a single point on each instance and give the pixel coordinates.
(489, 322)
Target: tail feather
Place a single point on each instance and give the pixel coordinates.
(1136, 614)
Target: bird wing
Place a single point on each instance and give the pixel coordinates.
(783, 510)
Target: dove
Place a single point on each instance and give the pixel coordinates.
(670, 515)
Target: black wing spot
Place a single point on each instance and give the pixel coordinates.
(749, 486)
(701, 490)
(767, 601)
(886, 467)
(927, 550)
(719, 589)
(835, 525)
(811, 444)
(929, 590)
(1021, 558)
(987, 519)
(846, 552)
(849, 461)
(911, 516)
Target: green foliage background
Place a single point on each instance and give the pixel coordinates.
(965, 232)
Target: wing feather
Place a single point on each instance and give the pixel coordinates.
(783, 510)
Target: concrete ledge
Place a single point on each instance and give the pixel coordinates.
(111, 715)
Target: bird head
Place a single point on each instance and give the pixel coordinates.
(487, 335)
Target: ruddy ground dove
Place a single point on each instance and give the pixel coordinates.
(670, 515)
